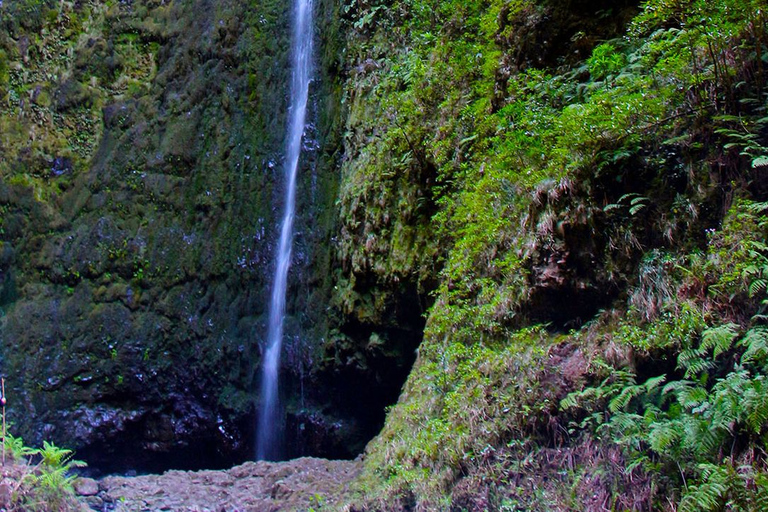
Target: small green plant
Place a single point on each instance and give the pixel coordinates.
(316, 503)
(54, 479)
(46, 485)
(15, 448)
(605, 61)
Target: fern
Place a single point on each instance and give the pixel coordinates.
(590, 396)
(758, 208)
(710, 493)
(15, 446)
(761, 491)
(621, 401)
(654, 382)
(634, 202)
(53, 479)
(755, 343)
(626, 425)
(693, 362)
(719, 339)
(662, 435)
(701, 423)
(755, 404)
(688, 395)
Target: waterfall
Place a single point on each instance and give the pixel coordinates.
(268, 429)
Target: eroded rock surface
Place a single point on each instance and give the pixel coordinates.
(254, 486)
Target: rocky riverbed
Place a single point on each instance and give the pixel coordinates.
(298, 484)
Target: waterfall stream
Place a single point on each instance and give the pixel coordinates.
(268, 442)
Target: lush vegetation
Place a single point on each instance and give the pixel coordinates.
(38, 479)
(571, 193)
(701, 420)
(559, 188)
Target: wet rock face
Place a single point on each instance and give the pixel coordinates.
(135, 254)
(139, 194)
(183, 435)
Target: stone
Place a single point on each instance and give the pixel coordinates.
(5, 494)
(86, 487)
(260, 486)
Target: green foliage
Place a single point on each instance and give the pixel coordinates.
(739, 253)
(16, 449)
(29, 14)
(54, 481)
(605, 60)
(47, 484)
(3, 71)
(690, 426)
(493, 171)
(458, 407)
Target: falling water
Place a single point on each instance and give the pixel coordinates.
(267, 434)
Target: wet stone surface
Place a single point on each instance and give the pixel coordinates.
(254, 486)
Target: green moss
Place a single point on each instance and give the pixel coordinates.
(522, 185)
(138, 206)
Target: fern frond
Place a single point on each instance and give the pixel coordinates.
(631, 196)
(727, 403)
(637, 208)
(761, 491)
(654, 382)
(719, 339)
(755, 342)
(757, 208)
(675, 386)
(664, 434)
(685, 357)
(571, 401)
(16, 447)
(710, 494)
(578, 399)
(757, 287)
(626, 424)
(639, 462)
(759, 246)
(691, 397)
(621, 401)
(693, 362)
(53, 455)
(700, 436)
(755, 405)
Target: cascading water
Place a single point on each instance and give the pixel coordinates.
(268, 431)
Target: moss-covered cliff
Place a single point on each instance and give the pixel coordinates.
(559, 205)
(573, 193)
(140, 177)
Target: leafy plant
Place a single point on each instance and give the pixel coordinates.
(705, 422)
(46, 484)
(605, 60)
(54, 478)
(16, 448)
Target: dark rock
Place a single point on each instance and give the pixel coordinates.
(61, 165)
(135, 272)
(71, 94)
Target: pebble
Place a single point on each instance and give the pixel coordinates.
(86, 487)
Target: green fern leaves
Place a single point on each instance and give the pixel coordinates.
(47, 485)
(704, 425)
